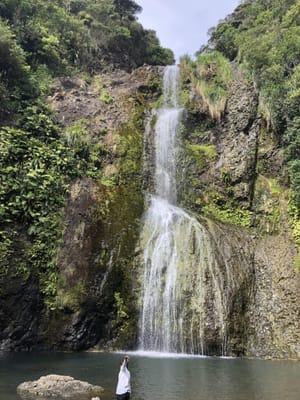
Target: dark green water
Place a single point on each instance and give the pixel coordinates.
(157, 378)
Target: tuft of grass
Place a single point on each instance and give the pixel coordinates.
(77, 134)
(211, 80)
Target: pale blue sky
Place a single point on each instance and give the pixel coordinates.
(182, 25)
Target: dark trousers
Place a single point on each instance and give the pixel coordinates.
(124, 396)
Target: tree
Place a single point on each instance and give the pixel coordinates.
(14, 71)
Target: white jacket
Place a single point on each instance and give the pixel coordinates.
(123, 385)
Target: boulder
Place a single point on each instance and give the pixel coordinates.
(58, 387)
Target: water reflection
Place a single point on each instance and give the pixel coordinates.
(155, 378)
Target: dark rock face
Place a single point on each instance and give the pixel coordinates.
(234, 253)
(85, 307)
(20, 309)
(237, 141)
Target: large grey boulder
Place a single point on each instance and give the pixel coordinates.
(58, 387)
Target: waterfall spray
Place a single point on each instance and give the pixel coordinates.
(177, 252)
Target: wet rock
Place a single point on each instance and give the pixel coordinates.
(261, 287)
(58, 387)
(20, 308)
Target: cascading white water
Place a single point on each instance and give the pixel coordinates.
(177, 250)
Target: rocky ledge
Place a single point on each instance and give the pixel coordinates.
(58, 387)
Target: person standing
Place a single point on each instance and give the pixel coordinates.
(123, 390)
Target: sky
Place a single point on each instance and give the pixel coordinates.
(182, 25)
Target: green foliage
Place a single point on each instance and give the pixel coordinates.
(130, 151)
(87, 151)
(294, 172)
(292, 157)
(14, 71)
(227, 214)
(208, 151)
(123, 321)
(13, 263)
(77, 134)
(121, 308)
(30, 169)
(12, 58)
(35, 169)
(106, 98)
(295, 221)
(39, 120)
(223, 36)
(274, 187)
(264, 38)
(6, 251)
(86, 34)
(211, 75)
(41, 80)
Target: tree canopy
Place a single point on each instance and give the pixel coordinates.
(63, 36)
(83, 33)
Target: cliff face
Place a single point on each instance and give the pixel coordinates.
(233, 173)
(94, 299)
(231, 176)
(97, 303)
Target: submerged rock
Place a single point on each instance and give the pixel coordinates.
(58, 387)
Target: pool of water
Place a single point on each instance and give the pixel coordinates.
(160, 376)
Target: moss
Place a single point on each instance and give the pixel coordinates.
(226, 177)
(185, 100)
(105, 97)
(119, 211)
(272, 220)
(97, 83)
(200, 149)
(275, 187)
(70, 299)
(294, 221)
(234, 216)
(201, 154)
(268, 204)
(155, 86)
(297, 263)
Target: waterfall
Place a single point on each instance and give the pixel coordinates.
(177, 251)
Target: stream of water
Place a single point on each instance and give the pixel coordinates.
(177, 250)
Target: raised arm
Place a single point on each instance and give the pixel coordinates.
(125, 363)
